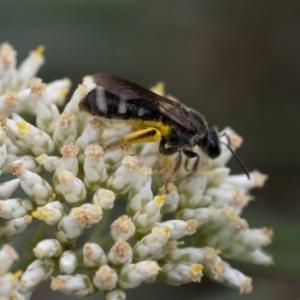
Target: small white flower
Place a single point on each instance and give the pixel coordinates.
(91, 134)
(94, 256)
(15, 208)
(177, 274)
(36, 272)
(132, 275)
(30, 66)
(151, 246)
(50, 163)
(70, 188)
(122, 228)
(7, 257)
(104, 198)
(234, 278)
(116, 294)
(105, 278)
(77, 161)
(71, 226)
(3, 154)
(171, 202)
(12, 228)
(8, 285)
(79, 285)
(122, 180)
(148, 215)
(68, 161)
(33, 185)
(94, 167)
(8, 187)
(35, 139)
(67, 262)
(48, 248)
(179, 229)
(51, 213)
(120, 253)
(248, 241)
(65, 131)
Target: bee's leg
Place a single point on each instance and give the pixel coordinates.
(169, 151)
(191, 154)
(142, 136)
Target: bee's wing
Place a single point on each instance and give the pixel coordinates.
(129, 91)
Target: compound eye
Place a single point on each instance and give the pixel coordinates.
(210, 143)
(214, 149)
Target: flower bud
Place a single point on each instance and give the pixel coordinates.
(132, 275)
(122, 228)
(120, 253)
(105, 278)
(79, 285)
(67, 262)
(15, 208)
(48, 248)
(94, 256)
(37, 271)
(7, 257)
(104, 198)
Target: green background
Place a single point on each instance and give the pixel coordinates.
(236, 62)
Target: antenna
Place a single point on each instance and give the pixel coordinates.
(236, 157)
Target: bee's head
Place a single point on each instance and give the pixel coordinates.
(210, 143)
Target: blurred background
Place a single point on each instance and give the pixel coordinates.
(236, 62)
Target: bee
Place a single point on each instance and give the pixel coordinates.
(176, 127)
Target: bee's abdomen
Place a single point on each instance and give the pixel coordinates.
(102, 103)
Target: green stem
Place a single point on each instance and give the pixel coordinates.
(98, 229)
(28, 255)
(95, 236)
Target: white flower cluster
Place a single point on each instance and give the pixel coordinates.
(174, 233)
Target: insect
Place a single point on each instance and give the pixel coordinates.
(178, 128)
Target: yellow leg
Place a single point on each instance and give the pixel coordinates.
(150, 134)
(143, 136)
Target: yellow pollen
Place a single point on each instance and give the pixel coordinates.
(159, 88)
(40, 49)
(82, 90)
(64, 176)
(23, 126)
(159, 200)
(37, 214)
(195, 272)
(41, 159)
(197, 267)
(17, 274)
(63, 93)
